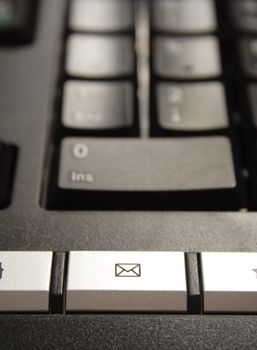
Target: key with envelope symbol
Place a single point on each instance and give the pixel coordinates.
(93, 282)
(127, 270)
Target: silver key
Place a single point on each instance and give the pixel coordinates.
(92, 56)
(101, 16)
(25, 281)
(191, 16)
(126, 281)
(97, 105)
(192, 106)
(187, 58)
(229, 282)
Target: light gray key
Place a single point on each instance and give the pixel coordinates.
(229, 282)
(102, 16)
(25, 281)
(97, 105)
(191, 107)
(92, 56)
(187, 58)
(190, 16)
(126, 281)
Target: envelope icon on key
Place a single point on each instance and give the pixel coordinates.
(127, 270)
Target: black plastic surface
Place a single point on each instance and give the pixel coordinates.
(28, 76)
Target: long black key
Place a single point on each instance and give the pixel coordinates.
(180, 174)
(7, 165)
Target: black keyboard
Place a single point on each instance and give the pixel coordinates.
(128, 174)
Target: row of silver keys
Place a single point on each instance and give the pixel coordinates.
(128, 281)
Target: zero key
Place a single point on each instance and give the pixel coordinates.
(179, 174)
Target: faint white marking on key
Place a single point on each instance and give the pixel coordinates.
(174, 47)
(81, 116)
(175, 115)
(80, 150)
(78, 176)
(175, 95)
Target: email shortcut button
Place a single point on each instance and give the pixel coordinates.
(126, 281)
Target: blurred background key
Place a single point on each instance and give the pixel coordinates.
(102, 16)
(184, 17)
(17, 21)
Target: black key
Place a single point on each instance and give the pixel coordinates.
(186, 58)
(98, 105)
(184, 17)
(17, 19)
(191, 107)
(252, 99)
(244, 15)
(7, 164)
(99, 57)
(248, 53)
(100, 16)
(179, 174)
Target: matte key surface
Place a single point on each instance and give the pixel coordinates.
(184, 17)
(126, 281)
(92, 56)
(102, 16)
(25, 281)
(97, 105)
(191, 107)
(180, 173)
(186, 58)
(229, 282)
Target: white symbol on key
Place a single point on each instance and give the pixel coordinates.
(175, 95)
(174, 47)
(81, 116)
(80, 150)
(175, 115)
(81, 177)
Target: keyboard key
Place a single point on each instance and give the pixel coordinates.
(25, 281)
(98, 105)
(186, 58)
(7, 165)
(126, 281)
(99, 57)
(244, 15)
(184, 17)
(191, 107)
(102, 16)
(229, 282)
(17, 19)
(186, 174)
(248, 52)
